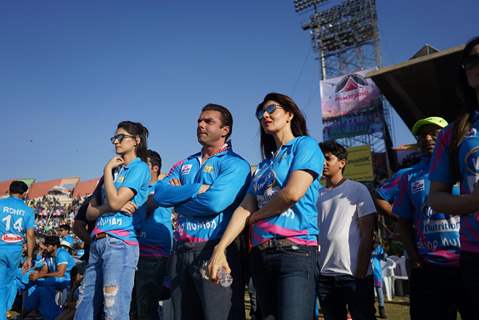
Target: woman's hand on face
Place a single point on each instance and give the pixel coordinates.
(115, 162)
(217, 262)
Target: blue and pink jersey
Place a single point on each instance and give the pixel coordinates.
(390, 188)
(204, 216)
(437, 234)
(154, 231)
(136, 176)
(298, 224)
(468, 161)
(15, 219)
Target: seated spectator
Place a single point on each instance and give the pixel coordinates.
(49, 280)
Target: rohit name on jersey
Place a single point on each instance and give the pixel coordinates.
(18, 212)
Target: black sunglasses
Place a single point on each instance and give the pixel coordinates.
(120, 137)
(470, 61)
(269, 109)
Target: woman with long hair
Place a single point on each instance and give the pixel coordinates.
(280, 208)
(109, 276)
(456, 158)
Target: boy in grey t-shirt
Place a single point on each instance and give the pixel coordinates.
(346, 219)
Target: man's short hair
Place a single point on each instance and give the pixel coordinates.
(52, 240)
(18, 187)
(226, 117)
(65, 227)
(155, 158)
(335, 149)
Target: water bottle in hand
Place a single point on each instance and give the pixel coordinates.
(224, 278)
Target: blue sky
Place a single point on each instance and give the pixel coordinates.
(71, 70)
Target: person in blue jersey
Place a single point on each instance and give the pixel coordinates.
(109, 275)
(50, 279)
(455, 158)
(377, 256)
(17, 224)
(280, 207)
(155, 235)
(204, 189)
(64, 233)
(431, 238)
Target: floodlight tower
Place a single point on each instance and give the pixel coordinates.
(345, 35)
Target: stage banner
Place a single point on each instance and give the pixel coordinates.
(351, 105)
(360, 164)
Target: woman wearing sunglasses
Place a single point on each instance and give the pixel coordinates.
(280, 208)
(109, 276)
(456, 158)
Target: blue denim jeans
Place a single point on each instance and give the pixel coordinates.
(285, 282)
(108, 282)
(341, 292)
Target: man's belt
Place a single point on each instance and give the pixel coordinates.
(276, 243)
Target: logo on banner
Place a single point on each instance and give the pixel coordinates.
(185, 169)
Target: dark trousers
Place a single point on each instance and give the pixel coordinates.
(469, 270)
(196, 298)
(150, 275)
(284, 280)
(339, 293)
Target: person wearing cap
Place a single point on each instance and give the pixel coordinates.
(17, 223)
(49, 280)
(431, 238)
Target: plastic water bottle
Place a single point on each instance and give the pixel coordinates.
(224, 278)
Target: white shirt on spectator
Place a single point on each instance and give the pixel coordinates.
(339, 210)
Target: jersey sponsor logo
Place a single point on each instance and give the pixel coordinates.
(12, 238)
(185, 169)
(120, 179)
(208, 169)
(418, 186)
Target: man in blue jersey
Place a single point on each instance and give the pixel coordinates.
(431, 238)
(155, 237)
(17, 223)
(205, 188)
(51, 279)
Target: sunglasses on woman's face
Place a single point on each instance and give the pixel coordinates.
(269, 109)
(120, 137)
(470, 61)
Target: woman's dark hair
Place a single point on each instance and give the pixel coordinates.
(469, 105)
(298, 123)
(137, 129)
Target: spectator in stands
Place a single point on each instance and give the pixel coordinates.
(16, 226)
(110, 273)
(347, 217)
(455, 158)
(280, 207)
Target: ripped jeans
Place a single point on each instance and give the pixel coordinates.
(108, 282)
